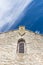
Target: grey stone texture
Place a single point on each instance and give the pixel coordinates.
(33, 54)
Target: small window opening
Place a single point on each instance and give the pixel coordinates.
(21, 43)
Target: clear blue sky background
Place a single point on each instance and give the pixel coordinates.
(28, 13)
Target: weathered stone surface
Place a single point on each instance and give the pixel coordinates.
(33, 48)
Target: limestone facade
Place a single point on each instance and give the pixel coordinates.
(33, 48)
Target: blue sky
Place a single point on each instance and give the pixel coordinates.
(28, 13)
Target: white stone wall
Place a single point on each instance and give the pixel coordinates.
(33, 48)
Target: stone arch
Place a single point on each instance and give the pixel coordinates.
(21, 46)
